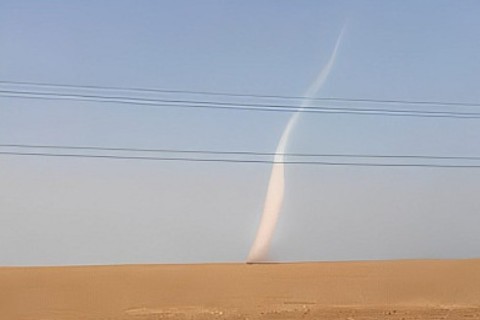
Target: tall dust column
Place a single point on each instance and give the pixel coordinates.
(276, 186)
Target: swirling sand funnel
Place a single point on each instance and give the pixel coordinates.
(276, 186)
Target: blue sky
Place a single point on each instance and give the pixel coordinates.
(77, 211)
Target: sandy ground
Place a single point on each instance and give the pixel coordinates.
(338, 290)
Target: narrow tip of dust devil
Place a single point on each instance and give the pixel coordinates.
(276, 187)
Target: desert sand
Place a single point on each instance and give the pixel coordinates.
(424, 289)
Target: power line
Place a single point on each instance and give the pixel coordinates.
(321, 163)
(234, 106)
(290, 108)
(246, 153)
(229, 94)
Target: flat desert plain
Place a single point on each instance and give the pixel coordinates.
(424, 289)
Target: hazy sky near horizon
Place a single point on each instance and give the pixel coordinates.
(91, 211)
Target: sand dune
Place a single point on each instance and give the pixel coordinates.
(355, 290)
